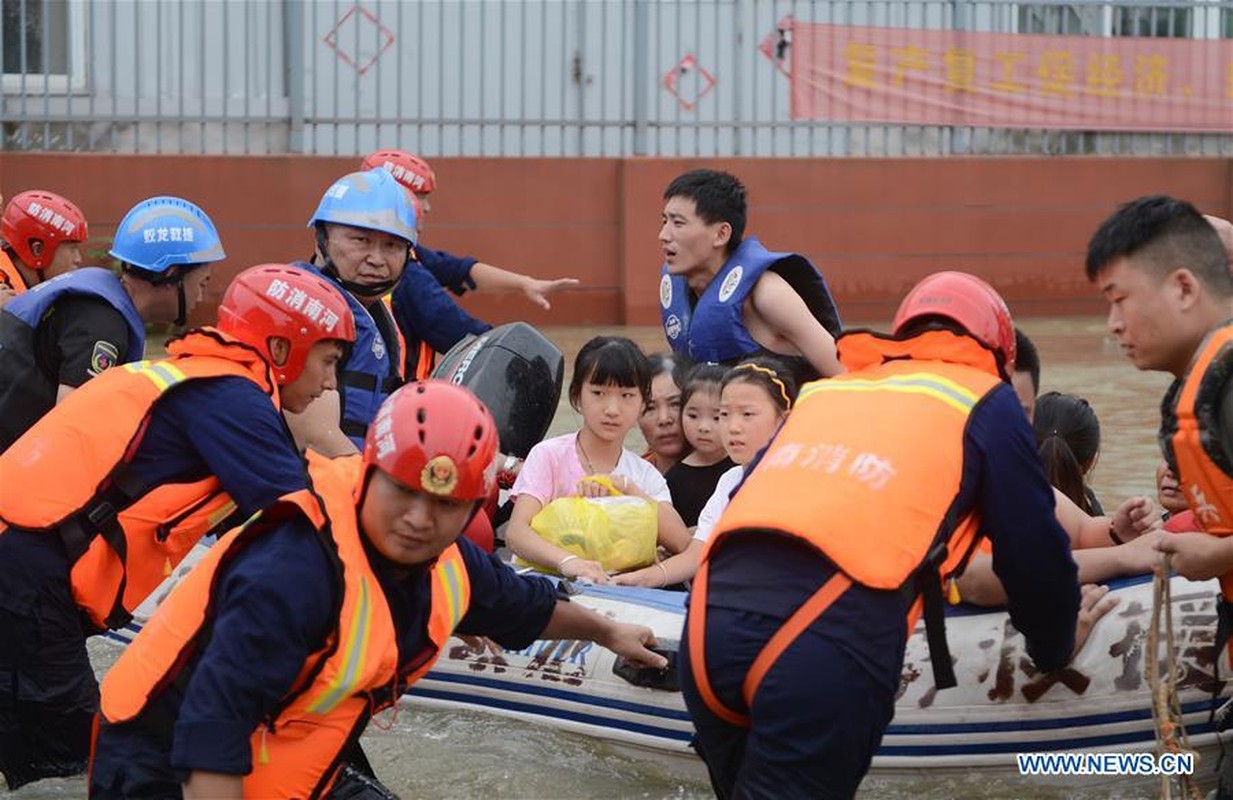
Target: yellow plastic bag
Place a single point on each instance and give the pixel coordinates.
(618, 531)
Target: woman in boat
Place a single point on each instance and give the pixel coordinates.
(1068, 435)
(1103, 546)
(661, 420)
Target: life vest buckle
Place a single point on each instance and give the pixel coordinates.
(102, 515)
(79, 531)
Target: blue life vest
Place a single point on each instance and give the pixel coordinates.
(711, 327)
(371, 370)
(89, 281)
(26, 391)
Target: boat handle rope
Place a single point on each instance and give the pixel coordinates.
(1166, 705)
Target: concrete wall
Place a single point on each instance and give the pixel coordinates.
(873, 226)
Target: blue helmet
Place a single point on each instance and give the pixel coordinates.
(374, 200)
(162, 232)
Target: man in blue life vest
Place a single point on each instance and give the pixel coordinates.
(113, 487)
(41, 234)
(1165, 272)
(723, 296)
(365, 231)
(323, 611)
(430, 321)
(796, 630)
(431, 316)
(64, 331)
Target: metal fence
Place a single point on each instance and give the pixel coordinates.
(507, 77)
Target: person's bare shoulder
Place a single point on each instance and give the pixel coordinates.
(773, 313)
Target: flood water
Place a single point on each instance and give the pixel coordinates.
(435, 754)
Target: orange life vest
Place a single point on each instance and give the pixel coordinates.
(1192, 444)
(10, 274)
(825, 465)
(425, 362)
(67, 475)
(297, 752)
(425, 356)
(399, 360)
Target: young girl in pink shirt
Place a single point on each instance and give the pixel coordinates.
(610, 388)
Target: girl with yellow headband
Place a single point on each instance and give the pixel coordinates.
(754, 398)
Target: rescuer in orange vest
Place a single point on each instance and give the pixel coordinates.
(877, 487)
(260, 671)
(1165, 272)
(113, 487)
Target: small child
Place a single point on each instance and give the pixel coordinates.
(609, 388)
(693, 479)
(754, 398)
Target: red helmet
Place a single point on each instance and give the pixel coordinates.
(436, 437)
(410, 170)
(42, 216)
(967, 300)
(279, 300)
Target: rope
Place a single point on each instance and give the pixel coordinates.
(1166, 705)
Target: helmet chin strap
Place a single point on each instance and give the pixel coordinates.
(358, 289)
(154, 280)
(182, 312)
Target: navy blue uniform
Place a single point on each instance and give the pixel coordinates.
(757, 581)
(425, 313)
(226, 427)
(451, 271)
(275, 607)
(68, 346)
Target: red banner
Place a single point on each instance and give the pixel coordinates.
(946, 77)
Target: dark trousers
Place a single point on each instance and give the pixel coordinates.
(48, 694)
(132, 762)
(815, 722)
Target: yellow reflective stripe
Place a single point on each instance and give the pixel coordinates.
(161, 374)
(354, 654)
(170, 372)
(952, 394)
(452, 583)
(227, 510)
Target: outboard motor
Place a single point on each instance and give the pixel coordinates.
(517, 373)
